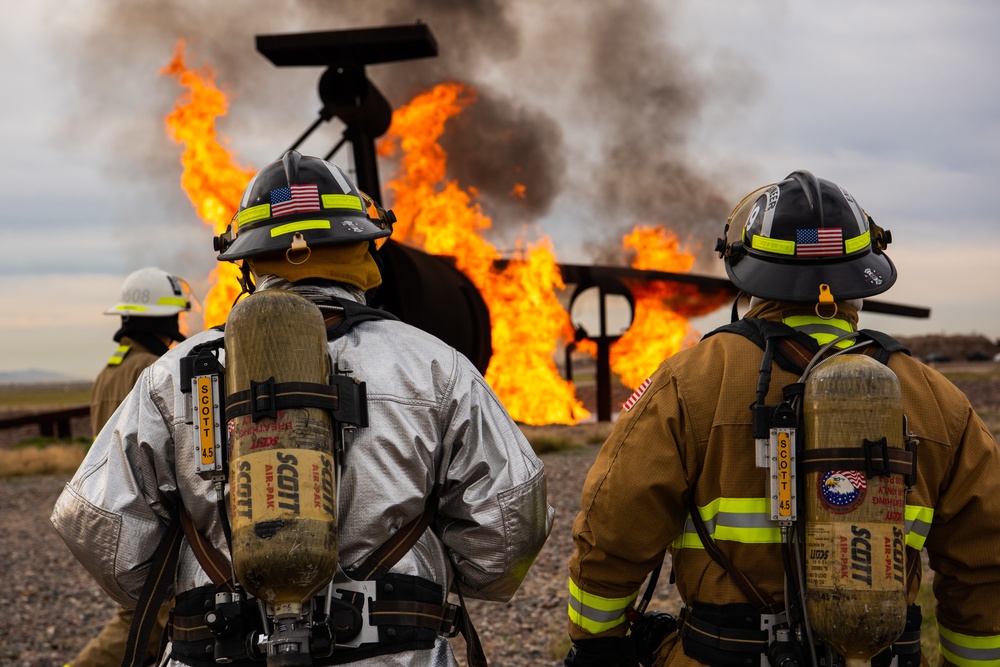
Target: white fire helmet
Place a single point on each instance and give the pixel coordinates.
(152, 292)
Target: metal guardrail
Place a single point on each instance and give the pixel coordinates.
(54, 423)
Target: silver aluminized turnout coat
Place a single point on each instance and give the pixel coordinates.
(433, 422)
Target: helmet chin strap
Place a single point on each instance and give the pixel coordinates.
(245, 280)
(735, 316)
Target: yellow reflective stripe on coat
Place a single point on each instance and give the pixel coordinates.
(119, 355)
(748, 521)
(594, 613)
(918, 525)
(822, 330)
(969, 651)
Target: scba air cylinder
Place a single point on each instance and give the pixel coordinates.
(281, 471)
(855, 576)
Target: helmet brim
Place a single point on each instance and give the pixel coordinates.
(854, 278)
(316, 230)
(130, 310)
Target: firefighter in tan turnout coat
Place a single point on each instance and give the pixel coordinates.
(685, 443)
(150, 304)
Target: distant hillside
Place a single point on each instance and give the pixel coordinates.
(34, 376)
(957, 347)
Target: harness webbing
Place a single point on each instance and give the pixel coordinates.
(154, 592)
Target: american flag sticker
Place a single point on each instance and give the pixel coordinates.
(636, 395)
(295, 199)
(822, 242)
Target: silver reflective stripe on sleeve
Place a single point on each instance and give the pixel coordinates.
(968, 651)
(594, 613)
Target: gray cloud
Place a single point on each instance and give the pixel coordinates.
(598, 105)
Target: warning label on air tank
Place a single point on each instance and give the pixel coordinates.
(265, 433)
(282, 484)
(854, 556)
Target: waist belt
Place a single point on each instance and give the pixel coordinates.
(399, 613)
(730, 636)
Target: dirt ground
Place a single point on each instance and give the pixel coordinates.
(52, 606)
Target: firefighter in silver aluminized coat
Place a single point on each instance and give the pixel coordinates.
(435, 427)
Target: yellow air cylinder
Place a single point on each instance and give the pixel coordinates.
(281, 470)
(854, 539)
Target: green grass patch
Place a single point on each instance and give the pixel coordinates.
(43, 441)
(45, 395)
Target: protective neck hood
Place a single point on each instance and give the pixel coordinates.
(351, 264)
(316, 291)
(783, 310)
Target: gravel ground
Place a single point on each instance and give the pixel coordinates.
(53, 607)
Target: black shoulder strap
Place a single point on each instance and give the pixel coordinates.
(794, 358)
(354, 313)
(154, 593)
(886, 343)
(754, 329)
(794, 349)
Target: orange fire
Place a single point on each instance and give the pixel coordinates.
(443, 219)
(659, 327)
(212, 180)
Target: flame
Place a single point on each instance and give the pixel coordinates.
(437, 215)
(442, 218)
(659, 326)
(212, 180)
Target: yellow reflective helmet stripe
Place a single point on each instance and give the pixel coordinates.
(178, 301)
(119, 355)
(822, 330)
(967, 650)
(748, 521)
(299, 226)
(777, 246)
(917, 525)
(131, 307)
(342, 201)
(594, 613)
(783, 247)
(252, 214)
(858, 242)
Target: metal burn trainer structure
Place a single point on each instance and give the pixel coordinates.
(428, 291)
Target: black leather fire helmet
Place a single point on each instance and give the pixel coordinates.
(299, 202)
(791, 237)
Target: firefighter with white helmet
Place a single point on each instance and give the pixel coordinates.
(433, 494)
(149, 305)
(696, 459)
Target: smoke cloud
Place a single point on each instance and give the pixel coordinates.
(594, 107)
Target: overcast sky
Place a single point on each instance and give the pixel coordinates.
(696, 102)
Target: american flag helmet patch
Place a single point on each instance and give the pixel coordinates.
(636, 395)
(822, 242)
(295, 198)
